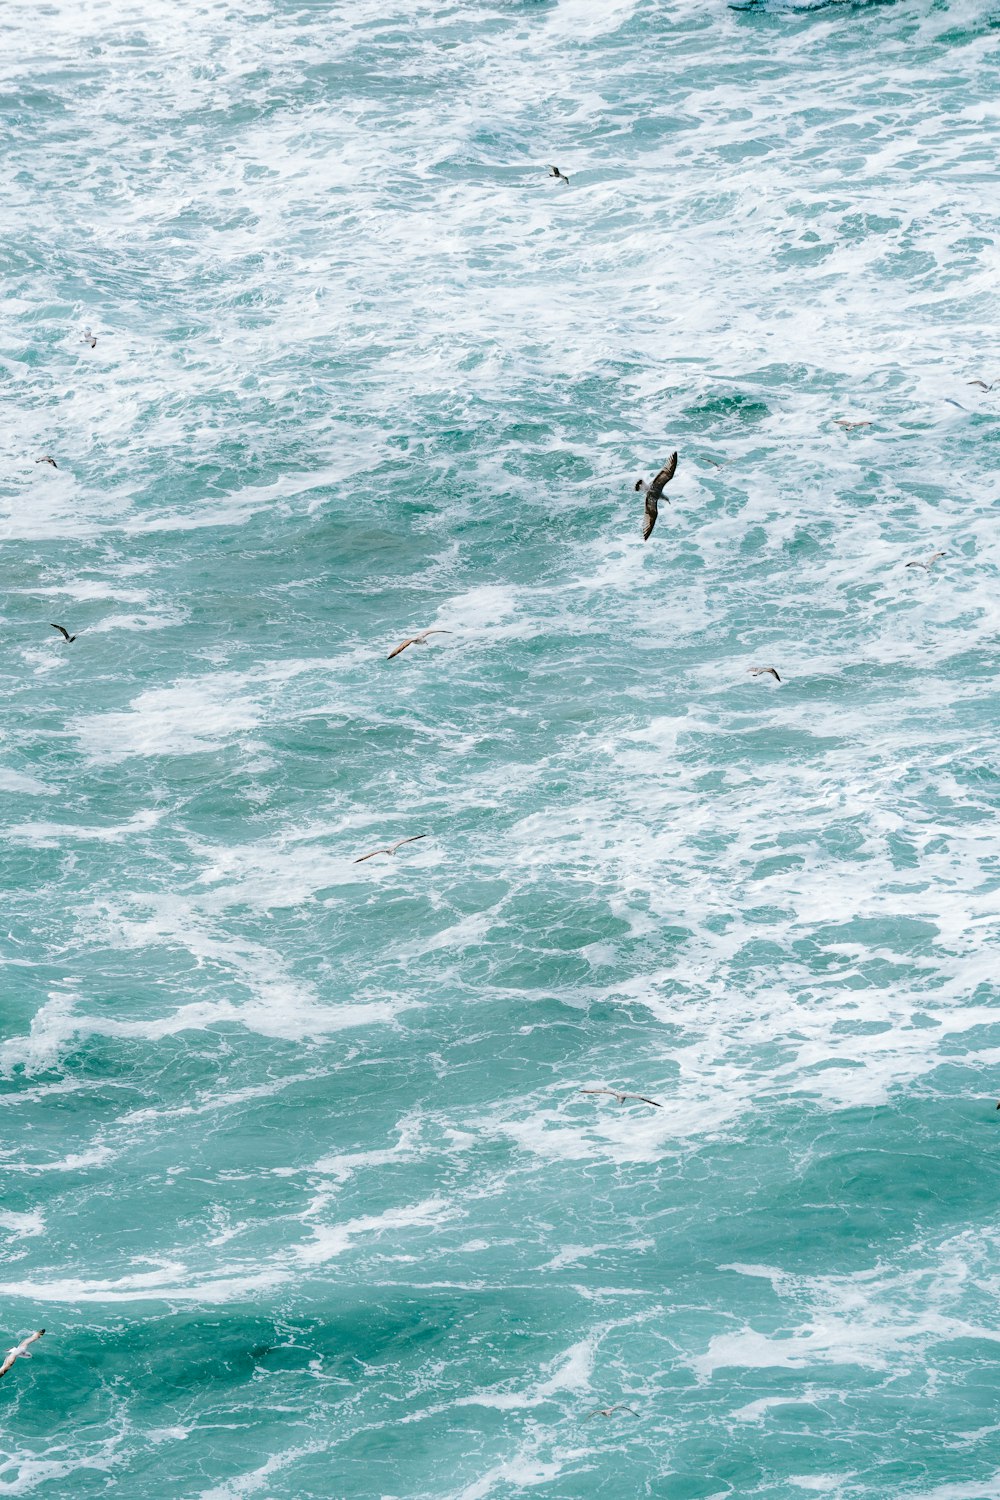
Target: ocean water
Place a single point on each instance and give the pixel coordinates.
(295, 1169)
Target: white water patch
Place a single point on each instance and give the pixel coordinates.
(28, 786)
(330, 1241)
(281, 1009)
(23, 1225)
(191, 718)
(52, 835)
(75, 1161)
(894, 1316)
(255, 1480)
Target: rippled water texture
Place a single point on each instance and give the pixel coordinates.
(295, 1170)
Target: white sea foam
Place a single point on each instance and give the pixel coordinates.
(23, 1225)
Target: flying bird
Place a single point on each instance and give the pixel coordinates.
(763, 672)
(981, 383)
(391, 848)
(64, 632)
(416, 640)
(850, 426)
(561, 176)
(609, 1411)
(45, 459)
(929, 563)
(653, 491)
(617, 1094)
(88, 338)
(19, 1351)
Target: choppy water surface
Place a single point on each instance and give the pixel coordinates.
(295, 1170)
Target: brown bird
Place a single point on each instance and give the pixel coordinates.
(609, 1411)
(64, 632)
(561, 176)
(929, 563)
(391, 848)
(981, 383)
(45, 459)
(653, 492)
(416, 640)
(850, 426)
(19, 1351)
(763, 672)
(617, 1094)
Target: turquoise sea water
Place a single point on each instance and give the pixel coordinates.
(295, 1172)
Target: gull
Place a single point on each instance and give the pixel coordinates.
(88, 338)
(19, 1351)
(850, 426)
(45, 459)
(391, 848)
(416, 640)
(561, 176)
(653, 491)
(617, 1094)
(609, 1411)
(763, 672)
(64, 632)
(981, 383)
(929, 563)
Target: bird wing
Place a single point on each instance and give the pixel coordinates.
(981, 383)
(9, 1359)
(934, 557)
(664, 477)
(62, 630)
(371, 855)
(629, 1409)
(644, 1100)
(649, 519)
(614, 1092)
(400, 648)
(411, 840)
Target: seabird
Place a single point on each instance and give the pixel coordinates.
(416, 640)
(981, 383)
(555, 172)
(609, 1411)
(929, 563)
(64, 632)
(88, 338)
(617, 1094)
(763, 672)
(19, 1351)
(653, 492)
(45, 459)
(391, 848)
(850, 426)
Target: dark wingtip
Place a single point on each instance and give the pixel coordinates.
(638, 484)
